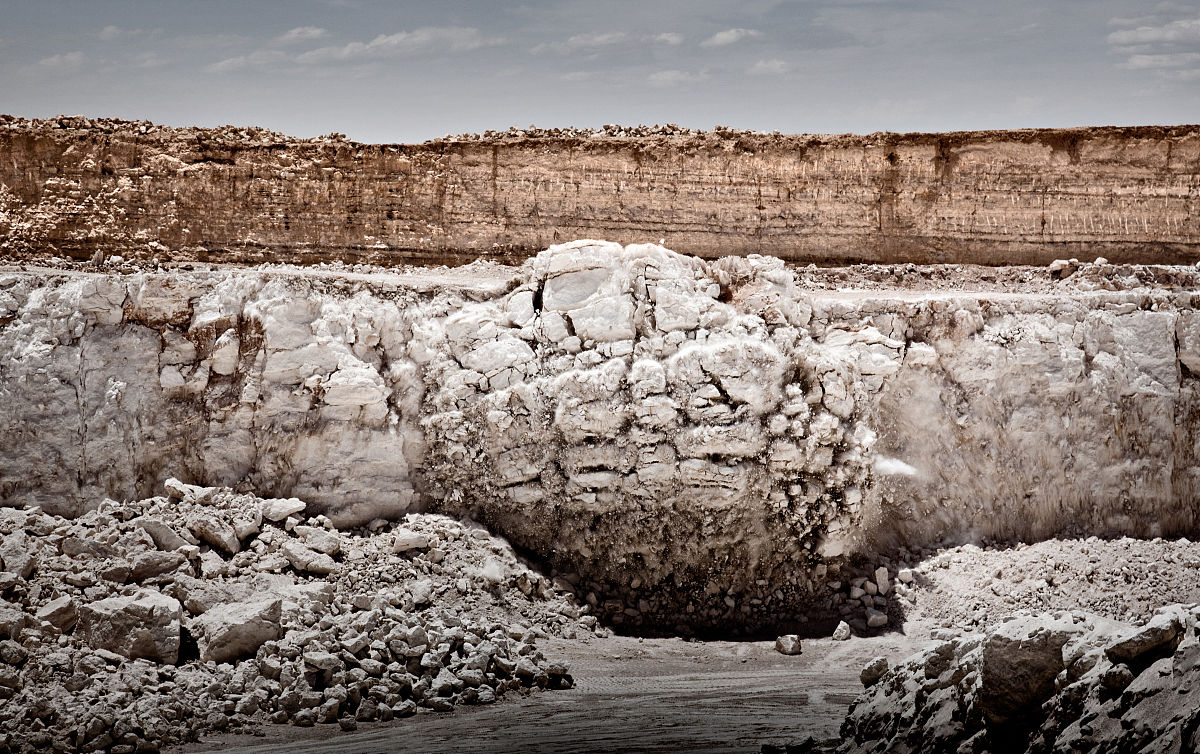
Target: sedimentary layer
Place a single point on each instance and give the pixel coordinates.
(690, 439)
(84, 187)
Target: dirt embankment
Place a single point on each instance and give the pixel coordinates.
(82, 187)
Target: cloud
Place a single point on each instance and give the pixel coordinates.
(669, 38)
(729, 36)
(424, 41)
(1169, 60)
(773, 67)
(580, 43)
(675, 78)
(1164, 43)
(258, 59)
(63, 61)
(113, 33)
(1182, 30)
(300, 34)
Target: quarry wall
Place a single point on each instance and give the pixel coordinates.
(692, 438)
(78, 187)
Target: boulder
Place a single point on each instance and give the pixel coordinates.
(306, 559)
(165, 538)
(873, 671)
(12, 620)
(142, 625)
(321, 540)
(1158, 637)
(150, 564)
(216, 532)
(788, 644)
(1020, 662)
(231, 631)
(17, 554)
(277, 509)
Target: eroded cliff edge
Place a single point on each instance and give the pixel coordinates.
(78, 186)
(693, 439)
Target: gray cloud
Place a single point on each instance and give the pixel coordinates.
(301, 34)
(424, 41)
(730, 36)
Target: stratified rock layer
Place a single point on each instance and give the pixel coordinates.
(686, 440)
(82, 187)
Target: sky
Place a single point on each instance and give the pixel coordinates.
(388, 72)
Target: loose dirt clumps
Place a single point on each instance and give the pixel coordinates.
(152, 622)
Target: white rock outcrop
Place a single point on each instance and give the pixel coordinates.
(690, 437)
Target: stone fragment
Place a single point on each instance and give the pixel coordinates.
(1021, 659)
(319, 539)
(407, 539)
(277, 509)
(842, 632)
(305, 559)
(164, 536)
(60, 613)
(150, 564)
(876, 618)
(788, 644)
(231, 631)
(216, 532)
(882, 582)
(1159, 636)
(12, 620)
(142, 625)
(873, 671)
(17, 555)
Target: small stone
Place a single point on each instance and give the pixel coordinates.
(905, 576)
(348, 724)
(842, 632)
(876, 619)
(788, 644)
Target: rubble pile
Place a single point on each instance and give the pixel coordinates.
(1063, 682)
(146, 623)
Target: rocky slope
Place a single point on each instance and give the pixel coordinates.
(152, 622)
(690, 443)
(84, 187)
(1063, 682)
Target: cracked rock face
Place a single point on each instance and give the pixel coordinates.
(686, 441)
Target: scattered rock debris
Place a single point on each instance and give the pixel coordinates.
(148, 623)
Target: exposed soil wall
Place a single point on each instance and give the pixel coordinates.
(77, 187)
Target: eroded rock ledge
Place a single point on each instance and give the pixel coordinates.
(688, 440)
(85, 187)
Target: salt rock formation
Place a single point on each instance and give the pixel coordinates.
(685, 441)
(1041, 683)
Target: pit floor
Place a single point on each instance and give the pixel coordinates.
(630, 695)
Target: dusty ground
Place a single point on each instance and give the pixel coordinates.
(672, 695)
